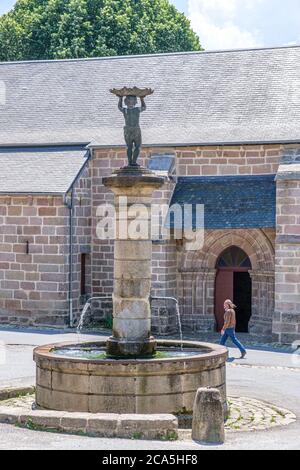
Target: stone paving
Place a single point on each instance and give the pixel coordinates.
(22, 412)
(250, 341)
(250, 366)
(246, 414)
(25, 402)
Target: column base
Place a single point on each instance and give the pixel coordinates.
(130, 349)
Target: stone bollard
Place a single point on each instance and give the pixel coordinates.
(208, 417)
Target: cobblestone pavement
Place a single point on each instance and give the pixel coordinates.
(25, 402)
(247, 414)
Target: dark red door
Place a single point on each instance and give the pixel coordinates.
(223, 291)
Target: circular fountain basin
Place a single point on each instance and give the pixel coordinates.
(79, 377)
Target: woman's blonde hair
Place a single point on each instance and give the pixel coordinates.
(230, 304)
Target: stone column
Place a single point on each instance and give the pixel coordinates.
(208, 417)
(286, 322)
(132, 263)
(262, 303)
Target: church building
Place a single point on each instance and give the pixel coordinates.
(223, 128)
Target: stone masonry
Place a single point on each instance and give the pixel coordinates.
(34, 256)
(34, 260)
(176, 272)
(286, 324)
(35, 247)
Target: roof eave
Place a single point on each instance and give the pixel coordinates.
(159, 54)
(43, 144)
(201, 144)
(32, 193)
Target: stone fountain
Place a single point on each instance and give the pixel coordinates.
(131, 372)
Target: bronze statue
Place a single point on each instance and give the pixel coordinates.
(132, 130)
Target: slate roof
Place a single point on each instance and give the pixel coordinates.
(40, 170)
(223, 97)
(230, 202)
(162, 165)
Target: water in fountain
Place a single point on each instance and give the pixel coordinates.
(95, 352)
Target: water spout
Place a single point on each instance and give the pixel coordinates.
(82, 317)
(177, 310)
(85, 310)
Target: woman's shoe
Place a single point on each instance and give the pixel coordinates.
(243, 355)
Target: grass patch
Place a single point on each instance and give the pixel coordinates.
(170, 436)
(30, 425)
(137, 436)
(183, 412)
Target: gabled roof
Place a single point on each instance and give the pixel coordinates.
(230, 202)
(224, 97)
(40, 170)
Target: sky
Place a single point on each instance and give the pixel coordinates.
(234, 24)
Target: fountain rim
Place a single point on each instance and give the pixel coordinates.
(46, 352)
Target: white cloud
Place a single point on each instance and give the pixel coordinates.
(227, 7)
(293, 43)
(217, 23)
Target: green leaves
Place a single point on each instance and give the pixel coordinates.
(59, 29)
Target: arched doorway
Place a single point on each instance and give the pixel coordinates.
(233, 281)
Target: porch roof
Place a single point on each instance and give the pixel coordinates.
(231, 202)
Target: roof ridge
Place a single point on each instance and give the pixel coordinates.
(163, 54)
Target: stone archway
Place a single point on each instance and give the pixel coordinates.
(198, 273)
(233, 282)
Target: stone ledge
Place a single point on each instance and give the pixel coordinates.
(288, 172)
(147, 427)
(246, 415)
(14, 392)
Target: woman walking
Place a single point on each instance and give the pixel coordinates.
(228, 330)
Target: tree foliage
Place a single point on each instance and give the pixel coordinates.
(59, 29)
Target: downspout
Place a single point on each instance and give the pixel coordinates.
(69, 201)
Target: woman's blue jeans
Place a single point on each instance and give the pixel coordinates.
(230, 333)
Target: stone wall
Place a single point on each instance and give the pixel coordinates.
(33, 260)
(34, 257)
(238, 160)
(81, 241)
(170, 277)
(286, 326)
(34, 286)
(102, 263)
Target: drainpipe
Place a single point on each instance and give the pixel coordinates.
(69, 201)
